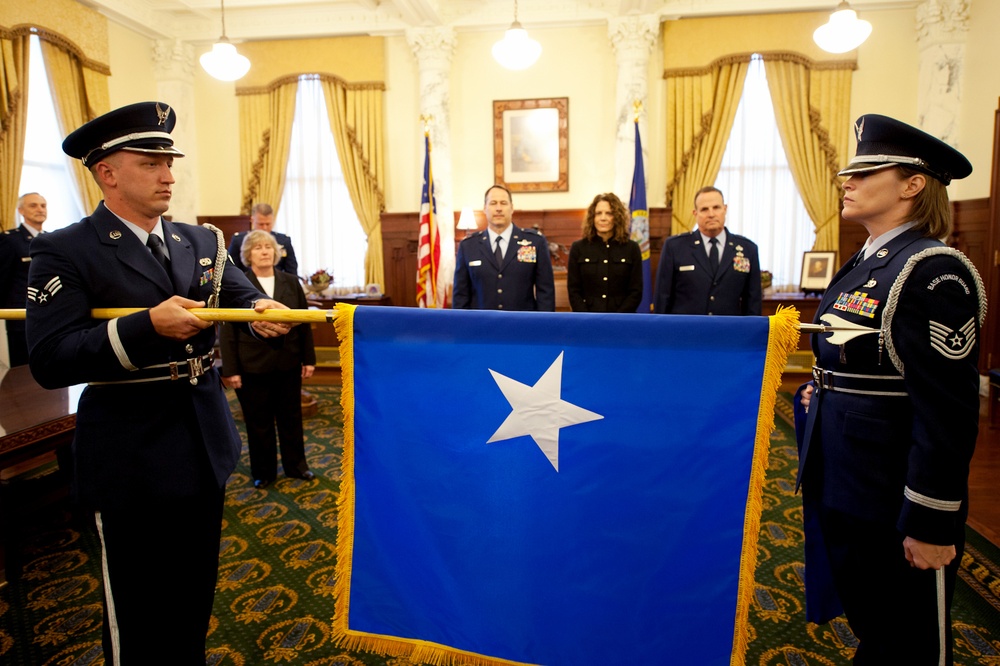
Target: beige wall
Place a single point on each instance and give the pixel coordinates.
(575, 63)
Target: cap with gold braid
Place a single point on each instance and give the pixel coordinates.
(140, 128)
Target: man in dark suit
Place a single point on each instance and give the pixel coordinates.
(708, 271)
(14, 261)
(262, 217)
(155, 441)
(504, 267)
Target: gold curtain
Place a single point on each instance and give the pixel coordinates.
(701, 108)
(13, 119)
(80, 94)
(266, 117)
(811, 99)
(355, 112)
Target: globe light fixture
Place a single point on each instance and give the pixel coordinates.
(516, 50)
(843, 32)
(223, 62)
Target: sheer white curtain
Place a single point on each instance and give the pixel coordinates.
(316, 209)
(46, 169)
(764, 203)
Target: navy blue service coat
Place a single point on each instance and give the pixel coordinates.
(685, 284)
(137, 440)
(524, 282)
(898, 454)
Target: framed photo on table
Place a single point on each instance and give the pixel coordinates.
(531, 144)
(817, 271)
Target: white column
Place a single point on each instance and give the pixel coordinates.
(632, 38)
(434, 48)
(174, 64)
(941, 34)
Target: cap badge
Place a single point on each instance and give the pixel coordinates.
(162, 114)
(859, 127)
(115, 235)
(881, 253)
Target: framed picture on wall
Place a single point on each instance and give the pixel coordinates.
(817, 270)
(531, 144)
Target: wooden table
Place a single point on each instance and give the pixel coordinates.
(324, 337)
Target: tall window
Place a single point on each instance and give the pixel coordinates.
(46, 169)
(316, 209)
(764, 203)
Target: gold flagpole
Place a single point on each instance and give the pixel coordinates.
(298, 316)
(210, 314)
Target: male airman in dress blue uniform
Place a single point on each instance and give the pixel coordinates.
(504, 267)
(155, 441)
(262, 217)
(14, 259)
(693, 280)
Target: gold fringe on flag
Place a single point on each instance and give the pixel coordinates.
(783, 339)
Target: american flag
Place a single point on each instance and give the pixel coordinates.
(429, 250)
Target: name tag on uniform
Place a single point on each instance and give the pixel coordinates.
(477, 262)
(684, 269)
(25, 258)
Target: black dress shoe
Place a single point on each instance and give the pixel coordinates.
(306, 475)
(261, 483)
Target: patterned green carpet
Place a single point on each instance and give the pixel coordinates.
(274, 597)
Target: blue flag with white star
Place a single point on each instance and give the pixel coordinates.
(544, 522)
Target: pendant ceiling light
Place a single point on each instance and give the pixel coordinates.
(844, 31)
(223, 62)
(516, 50)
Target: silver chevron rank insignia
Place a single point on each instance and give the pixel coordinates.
(953, 344)
(45, 294)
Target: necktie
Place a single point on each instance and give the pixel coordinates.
(499, 253)
(155, 245)
(713, 255)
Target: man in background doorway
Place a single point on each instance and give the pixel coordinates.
(262, 217)
(709, 271)
(14, 262)
(503, 267)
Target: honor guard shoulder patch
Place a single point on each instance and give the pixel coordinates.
(953, 344)
(45, 294)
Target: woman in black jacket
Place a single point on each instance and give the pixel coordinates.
(268, 374)
(605, 266)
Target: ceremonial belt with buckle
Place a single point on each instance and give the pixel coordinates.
(189, 369)
(846, 382)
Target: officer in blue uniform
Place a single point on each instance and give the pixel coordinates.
(14, 260)
(709, 271)
(155, 440)
(893, 410)
(262, 217)
(504, 267)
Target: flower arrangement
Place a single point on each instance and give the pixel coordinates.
(321, 278)
(765, 279)
(319, 281)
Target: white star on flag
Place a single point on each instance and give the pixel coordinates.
(539, 411)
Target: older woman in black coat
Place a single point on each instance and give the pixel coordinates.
(268, 374)
(605, 266)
